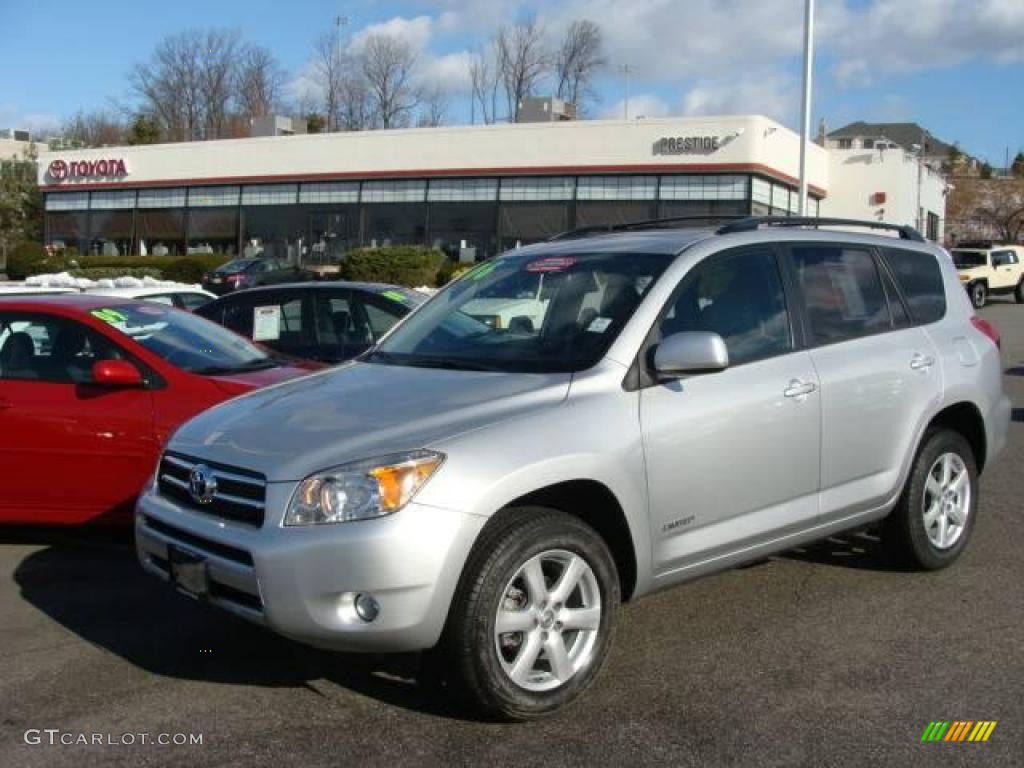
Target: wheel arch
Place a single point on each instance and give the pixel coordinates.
(965, 418)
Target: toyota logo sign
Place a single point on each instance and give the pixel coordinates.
(58, 170)
(61, 170)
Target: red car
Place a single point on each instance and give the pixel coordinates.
(91, 387)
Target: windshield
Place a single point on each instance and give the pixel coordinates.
(185, 340)
(236, 266)
(968, 259)
(525, 313)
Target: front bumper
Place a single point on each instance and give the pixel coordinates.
(301, 581)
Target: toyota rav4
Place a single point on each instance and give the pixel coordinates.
(680, 402)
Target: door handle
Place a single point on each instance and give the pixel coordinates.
(799, 388)
(921, 362)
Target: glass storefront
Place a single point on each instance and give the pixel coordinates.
(318, 222)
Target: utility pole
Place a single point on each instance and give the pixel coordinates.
(805, 118)
(335, 77)
(626, 69)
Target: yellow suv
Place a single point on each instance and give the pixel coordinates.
(990, 269)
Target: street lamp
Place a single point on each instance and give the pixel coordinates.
(805, 127)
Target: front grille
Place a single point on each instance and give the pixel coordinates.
(200, 542)
(240, 494)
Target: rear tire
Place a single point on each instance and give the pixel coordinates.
(550, 579)
(932, 522)
(1019, 293)
(979, 295)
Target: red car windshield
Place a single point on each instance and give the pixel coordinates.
(185, 340)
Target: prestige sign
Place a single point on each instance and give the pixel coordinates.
(687, 145)
(61, 170)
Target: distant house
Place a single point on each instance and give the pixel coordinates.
(909, 137)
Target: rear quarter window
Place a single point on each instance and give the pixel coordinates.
(920, 280)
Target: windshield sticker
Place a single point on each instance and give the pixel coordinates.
(109, 316)
(551, 264)
(599, 325)
(394, 296)
(266, 323)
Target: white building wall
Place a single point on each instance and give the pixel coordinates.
(859, 177)
(9, 148)
(585, 146)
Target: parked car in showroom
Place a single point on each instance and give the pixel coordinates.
(691, 400)
(247, 273)
(180, 295)
(90, 389)
(990, 269)
(326, 321)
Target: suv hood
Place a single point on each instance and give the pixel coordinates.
(358, 411)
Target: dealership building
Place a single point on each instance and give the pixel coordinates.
(472, 190)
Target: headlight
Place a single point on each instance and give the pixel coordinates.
(362, 490)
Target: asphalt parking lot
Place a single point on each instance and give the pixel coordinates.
(826, 656)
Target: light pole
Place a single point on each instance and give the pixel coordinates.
(805, 118)
(626, 70)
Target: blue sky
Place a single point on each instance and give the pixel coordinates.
(955, 66)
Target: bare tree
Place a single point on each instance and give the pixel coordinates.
(485, 77)
(523, 59)
(980, 208)
(259, 81)
(355, 106)
(329, 74)
(388, 63)
(578, 59)
(169, 88)
(94, 129)
(217, 66)
(434, 109)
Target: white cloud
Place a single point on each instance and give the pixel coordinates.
(416, 31)
(771, 95)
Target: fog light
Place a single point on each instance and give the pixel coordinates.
(367, 607)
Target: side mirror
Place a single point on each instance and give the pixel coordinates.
(116, 373)
(690, 352)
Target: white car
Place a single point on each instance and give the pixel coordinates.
(180, 295)
(21, 289)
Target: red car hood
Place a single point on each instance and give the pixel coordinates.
(239, 383)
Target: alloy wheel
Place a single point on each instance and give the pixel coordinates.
(946, 500)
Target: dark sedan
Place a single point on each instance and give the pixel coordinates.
(325, 321)
(247, 273)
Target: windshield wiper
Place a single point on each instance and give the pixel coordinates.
(261, 364)
(429, 361)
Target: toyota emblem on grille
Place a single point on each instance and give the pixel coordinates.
(202, 484)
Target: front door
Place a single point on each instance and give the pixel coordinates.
(732, 457)
(70, 451)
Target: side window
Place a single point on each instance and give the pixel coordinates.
(164, 298)
(1003, 258)
(44, 348)
(381, 314)
(920, 279)
(898, 310)
(842, 292)
(342, 326)
(739, 296)
(237, 316)
(193, 301)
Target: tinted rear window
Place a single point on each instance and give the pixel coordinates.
(920, 279)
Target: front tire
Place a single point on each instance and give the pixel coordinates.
(933, 519)
(979, 295)
(534, 616)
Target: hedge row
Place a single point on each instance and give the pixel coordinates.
(207, 261)
(99, 273)
(408, 265)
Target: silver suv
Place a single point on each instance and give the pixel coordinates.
(675, 402)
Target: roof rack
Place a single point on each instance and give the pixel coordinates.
(631, 226)
(752, 223)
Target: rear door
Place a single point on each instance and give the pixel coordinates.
(279, 319)
(341, 325)
(70, 451)
(1005, 270)
(878, 371)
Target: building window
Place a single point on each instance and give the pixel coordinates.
(394, 191)
(113, 200)
(617, 188)
(161, 232)
(213, 231)
(460, 190)
(395, 224)
(68, 230)
(330, 192)
(162, 198)
(846, 144)
(703, 188)
(111, 232)
(208, 197)
(524, 223)
(869, 143)
(761, 191)
(67, 201)
(780, 200)
(465, 231)
(275, 232)
(537, 188)
(933, 227)
(270, 194)
(714, 210)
